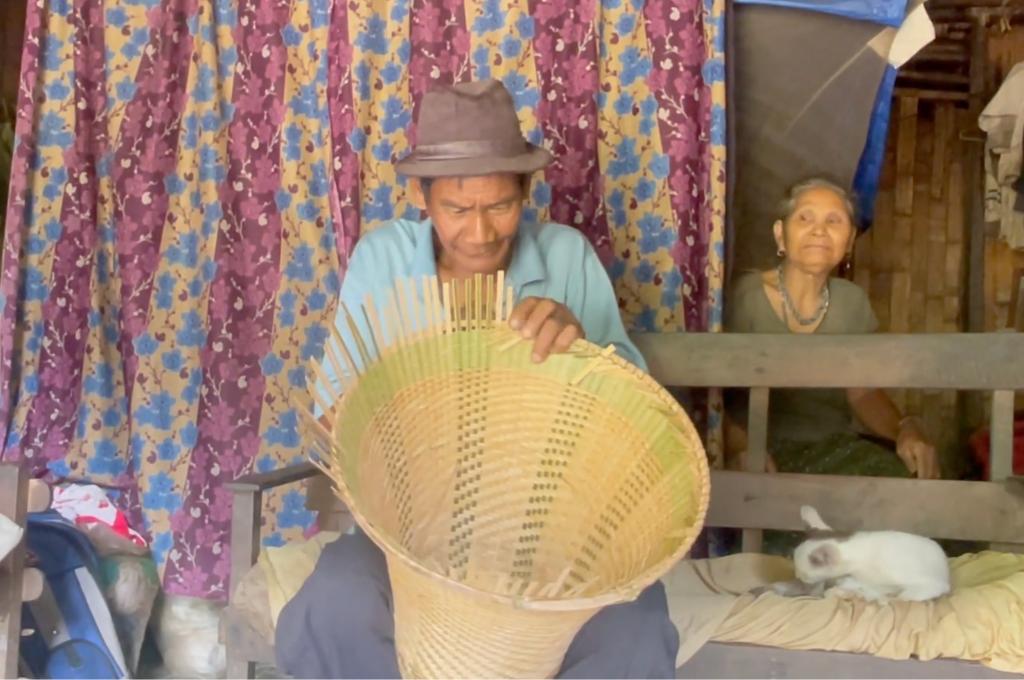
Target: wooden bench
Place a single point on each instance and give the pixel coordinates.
(753, 501)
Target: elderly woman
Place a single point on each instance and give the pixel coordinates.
(825, 431)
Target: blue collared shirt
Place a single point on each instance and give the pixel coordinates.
(548, 261)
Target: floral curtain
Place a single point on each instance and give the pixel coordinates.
(190, 176)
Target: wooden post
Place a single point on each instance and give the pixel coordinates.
(1001, 441)
(13, 504)
(973, 301)
(245, 549)
(1000, 449)
(757, 453)
(976, 216)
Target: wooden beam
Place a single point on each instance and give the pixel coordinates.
(941, 95)
(975, 306)
(934, 77)
(956, 361)
(261, 481)
(969, 511)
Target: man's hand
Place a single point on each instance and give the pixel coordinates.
(550, 324)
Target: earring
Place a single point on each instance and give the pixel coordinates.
(846, 265)
(780, 253)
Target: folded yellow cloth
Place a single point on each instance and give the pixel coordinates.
(981, 620)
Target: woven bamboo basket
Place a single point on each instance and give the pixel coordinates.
(512, 500)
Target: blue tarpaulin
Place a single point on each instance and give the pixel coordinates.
(885, 12)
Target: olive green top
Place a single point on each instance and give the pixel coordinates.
(810, 414)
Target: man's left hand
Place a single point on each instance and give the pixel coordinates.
(550, 324)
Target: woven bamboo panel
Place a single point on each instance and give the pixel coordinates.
(513, 499)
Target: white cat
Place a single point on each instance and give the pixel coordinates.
(873, 565)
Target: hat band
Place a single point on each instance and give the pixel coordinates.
(464, 150)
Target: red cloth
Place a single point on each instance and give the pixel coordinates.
(980, 443)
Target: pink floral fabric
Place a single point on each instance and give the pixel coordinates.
(190, 177)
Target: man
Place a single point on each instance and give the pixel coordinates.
(470, 173)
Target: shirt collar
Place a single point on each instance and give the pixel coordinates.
(526, 266)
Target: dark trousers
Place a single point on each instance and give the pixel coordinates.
(341, 625)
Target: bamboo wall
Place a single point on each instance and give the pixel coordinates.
(912, 262)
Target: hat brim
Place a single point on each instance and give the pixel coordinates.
(534, 159)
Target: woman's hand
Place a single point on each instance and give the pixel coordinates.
(550, 324)
(738, 461)
(917, 453)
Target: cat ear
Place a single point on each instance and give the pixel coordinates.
(812, 519)
(824, 556)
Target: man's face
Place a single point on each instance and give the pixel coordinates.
(475, 219)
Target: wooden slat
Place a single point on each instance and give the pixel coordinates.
(969, 511)
(953, 277)
(757, 452)
(903, 236)
(936, 277)
(933, 315)
(919, 93)
(899, 322)
(13, 504)
(883, 234)
(261, 481)
(955, 198)
(965, 361)
(940, 154)
(922, 228)
(1001, 451)
(951, 313)
(905, 149)
(735, 660)
(934, 77)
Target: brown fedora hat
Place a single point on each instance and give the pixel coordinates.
(470, 129)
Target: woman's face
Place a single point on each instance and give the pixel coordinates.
(818, 234)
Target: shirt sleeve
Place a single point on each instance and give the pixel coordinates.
(868, 321)
(364, 274)
(597, 308)
(737, 309)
